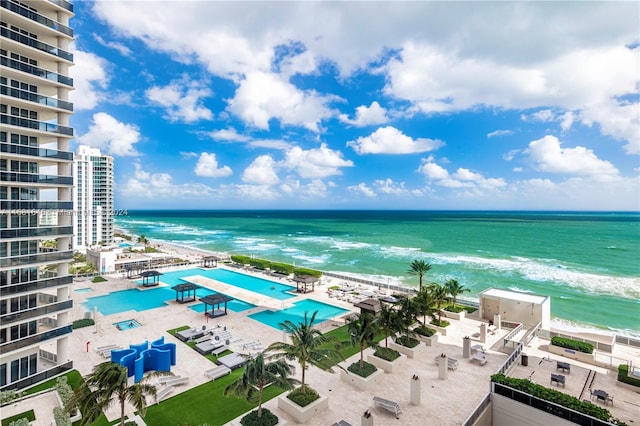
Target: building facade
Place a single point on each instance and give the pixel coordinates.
(36, 183)
(93, 199)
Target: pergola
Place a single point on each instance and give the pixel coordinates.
(150, 278)
(134, 269)
(304, 281)
(210, 261)
(371, 306)
(187, 288)
(215, 300)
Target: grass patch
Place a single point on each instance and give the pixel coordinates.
(85, 322)
(424, 331)
(204, 404)
(74, 379)
(387, 354)
(98, 279)
(303, 399)
(344, 346)
(455, 309)
(252, 419)
(408, 342)
(442, 323)
(29, 415)
(365, 371)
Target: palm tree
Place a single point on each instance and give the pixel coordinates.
(308, 346)
(387, 320)
(407, 313)
(424, 304)
(439, 295)
(108, 382)
(143, 240)
(257, 375)
(454, 288)
(419, 267)
(363, 330)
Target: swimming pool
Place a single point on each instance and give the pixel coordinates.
(295, 313)
(127, 324)
(258, 285)
(142, 300)
(83, 290)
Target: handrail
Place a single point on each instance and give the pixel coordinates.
(477, 412)
(37, 17)
(33, 70)
(35, 97)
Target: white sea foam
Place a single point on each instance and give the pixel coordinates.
(348, 245)
(316, 260)
(567, 326)
(519, 290)
(399, 252)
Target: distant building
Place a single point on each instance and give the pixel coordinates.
(93, 199)
(514, 306)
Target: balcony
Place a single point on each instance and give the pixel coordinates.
(27, 259)
(33, 70)
(34, 16)
(50, 309)
(47, 231)
(36, 98)
(63, 4)
(35, 179)
(39, 377)
(36, 205)
(31, 42)
(36, 125)
(35, 339)
(35, 152)
(8, 290)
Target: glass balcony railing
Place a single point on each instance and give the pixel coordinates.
(26, 259)
(64, 4)
(27, 314)
(34, 16)
(46, 231)
(35, 339)
(35, 205)
(34, 97)
(35, 124)
(33, 70)
(8, 290)
(35, 179)
(35, 152)
(31, 42)
(39, 377)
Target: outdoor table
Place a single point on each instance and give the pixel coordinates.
(564, 366)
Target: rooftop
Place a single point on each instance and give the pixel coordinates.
(515, 295)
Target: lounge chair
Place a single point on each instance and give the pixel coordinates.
(480, 357)
(163, 393)
(217, 372)
(217, 351)
(188, 335)
(101, 349)
(391, 406)
(175, 381)
(207, 347)
(452, 363)
(232, 361)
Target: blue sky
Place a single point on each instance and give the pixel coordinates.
(362, 105)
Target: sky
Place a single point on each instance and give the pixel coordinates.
(362, 105)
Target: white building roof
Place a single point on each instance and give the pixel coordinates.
(515, 295)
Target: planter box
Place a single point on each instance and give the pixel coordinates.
(429, 341)
(387, 366)
(570, 353)
(409, 352)
(441, 330)
(302, 414)
(236, 421)
(458, 316)
(362, 383)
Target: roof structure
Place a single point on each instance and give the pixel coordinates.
(369, 305)
(215, 300)
(187, 288)
(304, 281)
(150, 278)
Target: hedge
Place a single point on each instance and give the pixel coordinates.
(260, 263)
(304, 271)
(243, 260)
(85, 322)
(575, 345)
(623, 376)
(283, 268)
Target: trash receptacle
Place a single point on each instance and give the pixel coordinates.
(524, 360)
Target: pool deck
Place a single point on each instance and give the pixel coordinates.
(443, 402)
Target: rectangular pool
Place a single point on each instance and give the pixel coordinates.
(296, 313)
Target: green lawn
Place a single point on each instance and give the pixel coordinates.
(29, 415)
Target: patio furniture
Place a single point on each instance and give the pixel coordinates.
(558, 379)
(217, 372)
(477, 349)
(217, 351)
(602, 396)
(163, 393)
(452, 363)
(564, 366)
(175, 381)
(232, 361)
(191, 334)
(480, 357)
(390, 406)
(207, 347)
(341, 423)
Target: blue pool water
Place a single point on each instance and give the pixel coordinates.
(127, 324)
(258, 285)
(295, 314)
(234, 305)
(83, 290)
(142, 300)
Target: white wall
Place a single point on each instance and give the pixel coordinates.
(507, 412)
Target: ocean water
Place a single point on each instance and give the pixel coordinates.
(589, 263)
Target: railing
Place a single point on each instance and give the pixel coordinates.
(34, 97)
(35, 205)
(7, 290)
(511, 334)
(477, 412)
(629, 341)
(531, 333)
(35, 124)
(547, 406)
(511, 359)
(39, 377)
(26, 314)
(393, 287)
(63, 4)
(14, 345)
(31, 42)
(47, 231)
(601, 346)
(34, 16)
(35, 152)
(33, 70)
(51, 357)
(36, 258)
(35, 178)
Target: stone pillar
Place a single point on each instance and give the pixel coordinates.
(466, 347)
(95, 319)
(62, 352)
(483, 333)
(443, 366)
(366, 419)
(497, 321)
(414, 391)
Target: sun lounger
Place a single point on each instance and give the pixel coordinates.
(232, 361)
(163, 393)
(217, 351)
(164, 379)
(452, 362)
(203, 339)
(207, 347)
(188, 335)
(106, 348)
(107, 352)
(480, 357)
(341, 423)
(391, 406)
(217, 372)
(176, 381)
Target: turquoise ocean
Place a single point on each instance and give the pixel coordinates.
(589, 263)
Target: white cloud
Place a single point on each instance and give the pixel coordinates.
(474, 183)
(544, 115)
(90, 80)
(208, 167)
(231, 135)
(433, 171)
(315, 163)
(620, 120)
(160, 186)
(261, 171)
(499, 133)
(111, 136)
(121, 48)
(188, 155)
(367, 116)
(389, 140)
(182, 100)
(547, 155)
(363, 189)
(388, 186)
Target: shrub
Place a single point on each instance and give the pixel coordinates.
(623, 376)
(365, 371)
(575, 345)
(424, 331)
(61, 417)
(441, 323)
(456, 309)
(303, 399)
(310, 272)
(21, 419)
(387, 354)
(260, 263)
(20, 422)
(9, 395)
(98, 279)
(243, 260)
(282, 268)
(407, 341)
(252, 419)
(84, 322)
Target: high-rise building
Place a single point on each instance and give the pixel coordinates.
(35, 182)
(93, 199)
